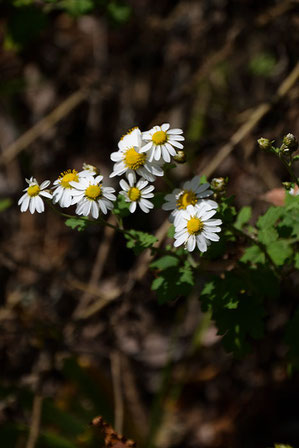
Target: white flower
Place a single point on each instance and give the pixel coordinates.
(32, 198)
(162, 142)
(130, 160)
(294, 191)
(196, 227)
(192, 193)
(91, 196)
(138, 194)
(63, 191)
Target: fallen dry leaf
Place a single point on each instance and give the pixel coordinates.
(112, 439)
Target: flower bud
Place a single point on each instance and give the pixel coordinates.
(93, 169)
(287, 185)
(264, 143)
(180, 157)
(218, 184)
(289, 143)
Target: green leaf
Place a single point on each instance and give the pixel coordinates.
(121, 207)
(77, 8)
(165, 262)
(227, 210)
(270, 217)
(262, 64)
(77, 223)
(236, 325)
(158, 200)
(243, 217)
(138, 241)
(279, 251)
(279, 445)
(5, 203)
(236, 304)
(24, 25)
(253, 254)
(268, 235)
(297, 260)
(118, 11)
(173, 282)
(171, 231)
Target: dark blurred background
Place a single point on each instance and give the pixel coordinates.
(81, 333)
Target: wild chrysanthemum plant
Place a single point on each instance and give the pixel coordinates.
(237, 264)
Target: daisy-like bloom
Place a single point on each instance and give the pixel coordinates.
(130, 160)
(192, 193)
(162, 142)
(32, 198)
(196, 228)
(138, 194)
(63, 191)
(91, 196)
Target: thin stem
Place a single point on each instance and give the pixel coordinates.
(99, 221)
(288, 166)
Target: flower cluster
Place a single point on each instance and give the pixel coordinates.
(141, 157)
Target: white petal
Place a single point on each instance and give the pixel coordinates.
(142, 183)
(146, 147)
(22, 198)
(116, 156)
(131, 176)
(176, 138)
(191, 243)
(132, 207)
(44, 184)
(201, 243)
(165, 126)
(176, 144)
(46, 194)
(208, 214)
(157, 152)
(165, 154)
(32, 205)
(179, 241)
(94, 210)
(25, 203)
(39, 204)
(175, 131)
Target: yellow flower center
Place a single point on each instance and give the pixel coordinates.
(134, 194)
(134, 159)
(33, 190)
(159, 137)
(93, 192)
(68, 176)
(194, 226)
(186, 198)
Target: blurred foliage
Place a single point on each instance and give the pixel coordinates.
(65, 419)
(5, 204)
(27, 18)
(262, 64)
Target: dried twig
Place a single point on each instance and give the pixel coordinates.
(35, 421)
(43, 125)
(97, 269)
(117, 391)
(253, 120)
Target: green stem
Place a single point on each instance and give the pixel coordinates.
(99, 221)
(288, 166)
